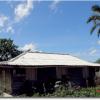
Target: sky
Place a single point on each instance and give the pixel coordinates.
(50, 26)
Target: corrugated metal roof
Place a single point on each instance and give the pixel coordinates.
(40, 59)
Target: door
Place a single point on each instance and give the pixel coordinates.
(76, 76)
(44, 74)
(46, 78)
(18, 79)
(91, 78)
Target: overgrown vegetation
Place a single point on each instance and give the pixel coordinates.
(64, 92)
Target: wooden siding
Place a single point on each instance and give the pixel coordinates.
(61, 71)
(85, 73)
(5, 80)
(8, 80)
(1, 81)
(31, 74)
(64, 71)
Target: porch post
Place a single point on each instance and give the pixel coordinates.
(86, 72)
(3, 80)
(85, 75)
(1, 83)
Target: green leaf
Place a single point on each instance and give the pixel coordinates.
(96, 8)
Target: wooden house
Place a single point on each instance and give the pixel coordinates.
(40, 66)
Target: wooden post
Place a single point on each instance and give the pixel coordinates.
(3, 80)
(86, 72)
(1, 84)
(85, 75)
(86, 82)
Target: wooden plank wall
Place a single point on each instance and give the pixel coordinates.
(85, 72)
(8, 80)
(1, 81)
(5, 80)
(61, 71)
(31, 74)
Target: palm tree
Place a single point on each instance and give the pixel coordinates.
(95, 19)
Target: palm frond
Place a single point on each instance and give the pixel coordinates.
(94, 17)
(96, 8)
(90, 19)
(98, 32)
(92, 29)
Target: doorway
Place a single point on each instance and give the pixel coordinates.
(76, 76)
(45, 74)
(46, 78)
